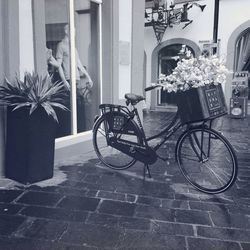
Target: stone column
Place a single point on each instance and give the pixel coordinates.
(9, 60)
(137, 55)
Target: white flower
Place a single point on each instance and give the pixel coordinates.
(193, 73)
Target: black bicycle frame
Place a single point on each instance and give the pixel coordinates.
(168, 131)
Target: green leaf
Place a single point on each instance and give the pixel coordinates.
(59, 105)
(50, 111)
(20, 106)
(35, 90)
(33, 107)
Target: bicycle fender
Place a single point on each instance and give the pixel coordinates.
(182, 134)
(97, 118)
(200, 126)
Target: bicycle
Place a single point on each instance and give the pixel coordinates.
(205, 157)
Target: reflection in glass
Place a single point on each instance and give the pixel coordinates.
(58, 41)
(87, 59)
(168, 59)
(58, 54)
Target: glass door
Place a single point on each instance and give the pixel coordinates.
(73, 41)
(168, 59)
(58, 53)
(87, 63)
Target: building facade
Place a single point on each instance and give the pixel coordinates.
(109, 39)
(224, 22)
(104, 37)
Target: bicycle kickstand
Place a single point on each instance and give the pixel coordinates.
(146, 170)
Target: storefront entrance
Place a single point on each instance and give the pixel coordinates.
(74, 43)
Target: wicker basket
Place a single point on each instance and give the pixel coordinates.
(203, 103)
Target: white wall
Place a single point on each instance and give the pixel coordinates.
(57, 11)
(200, 29)
(232, 15)
(26, 37)
(125, 33)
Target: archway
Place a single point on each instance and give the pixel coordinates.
(242, 54)
(168, 58)
(238, 52)
(165, 54)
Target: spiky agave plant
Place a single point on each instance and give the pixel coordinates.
(33, 92)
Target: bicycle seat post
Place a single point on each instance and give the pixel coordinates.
(146, 170)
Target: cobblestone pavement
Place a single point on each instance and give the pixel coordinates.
(87, 206)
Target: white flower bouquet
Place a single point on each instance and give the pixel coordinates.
(194, 73)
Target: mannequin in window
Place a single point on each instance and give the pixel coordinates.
(64, 126)
(83, 89)
(50, 59)
(55, 64)
(63, 58)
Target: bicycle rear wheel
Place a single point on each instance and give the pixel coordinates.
(108, 155)
(207, 160)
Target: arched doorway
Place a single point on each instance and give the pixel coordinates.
(168, 57)
(237, 43)
(242, 54)
(164, 59)
(144, 71)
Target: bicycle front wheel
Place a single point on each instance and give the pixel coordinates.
(108, 155)
(207, 160)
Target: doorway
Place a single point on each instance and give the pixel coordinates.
(168, 58)
(242, 54)
(158, 62)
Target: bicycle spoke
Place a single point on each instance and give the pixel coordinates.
(102, 132)
(109, 155)
(222, 182)
(213, 166)
(206, 160)
(189, 157)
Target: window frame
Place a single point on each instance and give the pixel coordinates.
(39, 57)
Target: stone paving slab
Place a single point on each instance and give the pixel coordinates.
(87, 206)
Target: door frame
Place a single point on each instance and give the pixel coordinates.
(155, 65)
(236, 34)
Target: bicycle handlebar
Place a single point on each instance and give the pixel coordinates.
(153, 86)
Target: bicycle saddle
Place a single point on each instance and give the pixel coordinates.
(133, 99)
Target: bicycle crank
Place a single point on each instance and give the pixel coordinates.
(143, 154)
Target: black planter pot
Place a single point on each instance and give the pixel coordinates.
(30, 145)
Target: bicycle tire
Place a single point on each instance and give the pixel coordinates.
(108, 155)
(207, 160)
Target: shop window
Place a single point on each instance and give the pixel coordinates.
(57, 36)
(86, 42)
(83, 82)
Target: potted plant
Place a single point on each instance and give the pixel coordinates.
(197, 83)
(31, 126)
